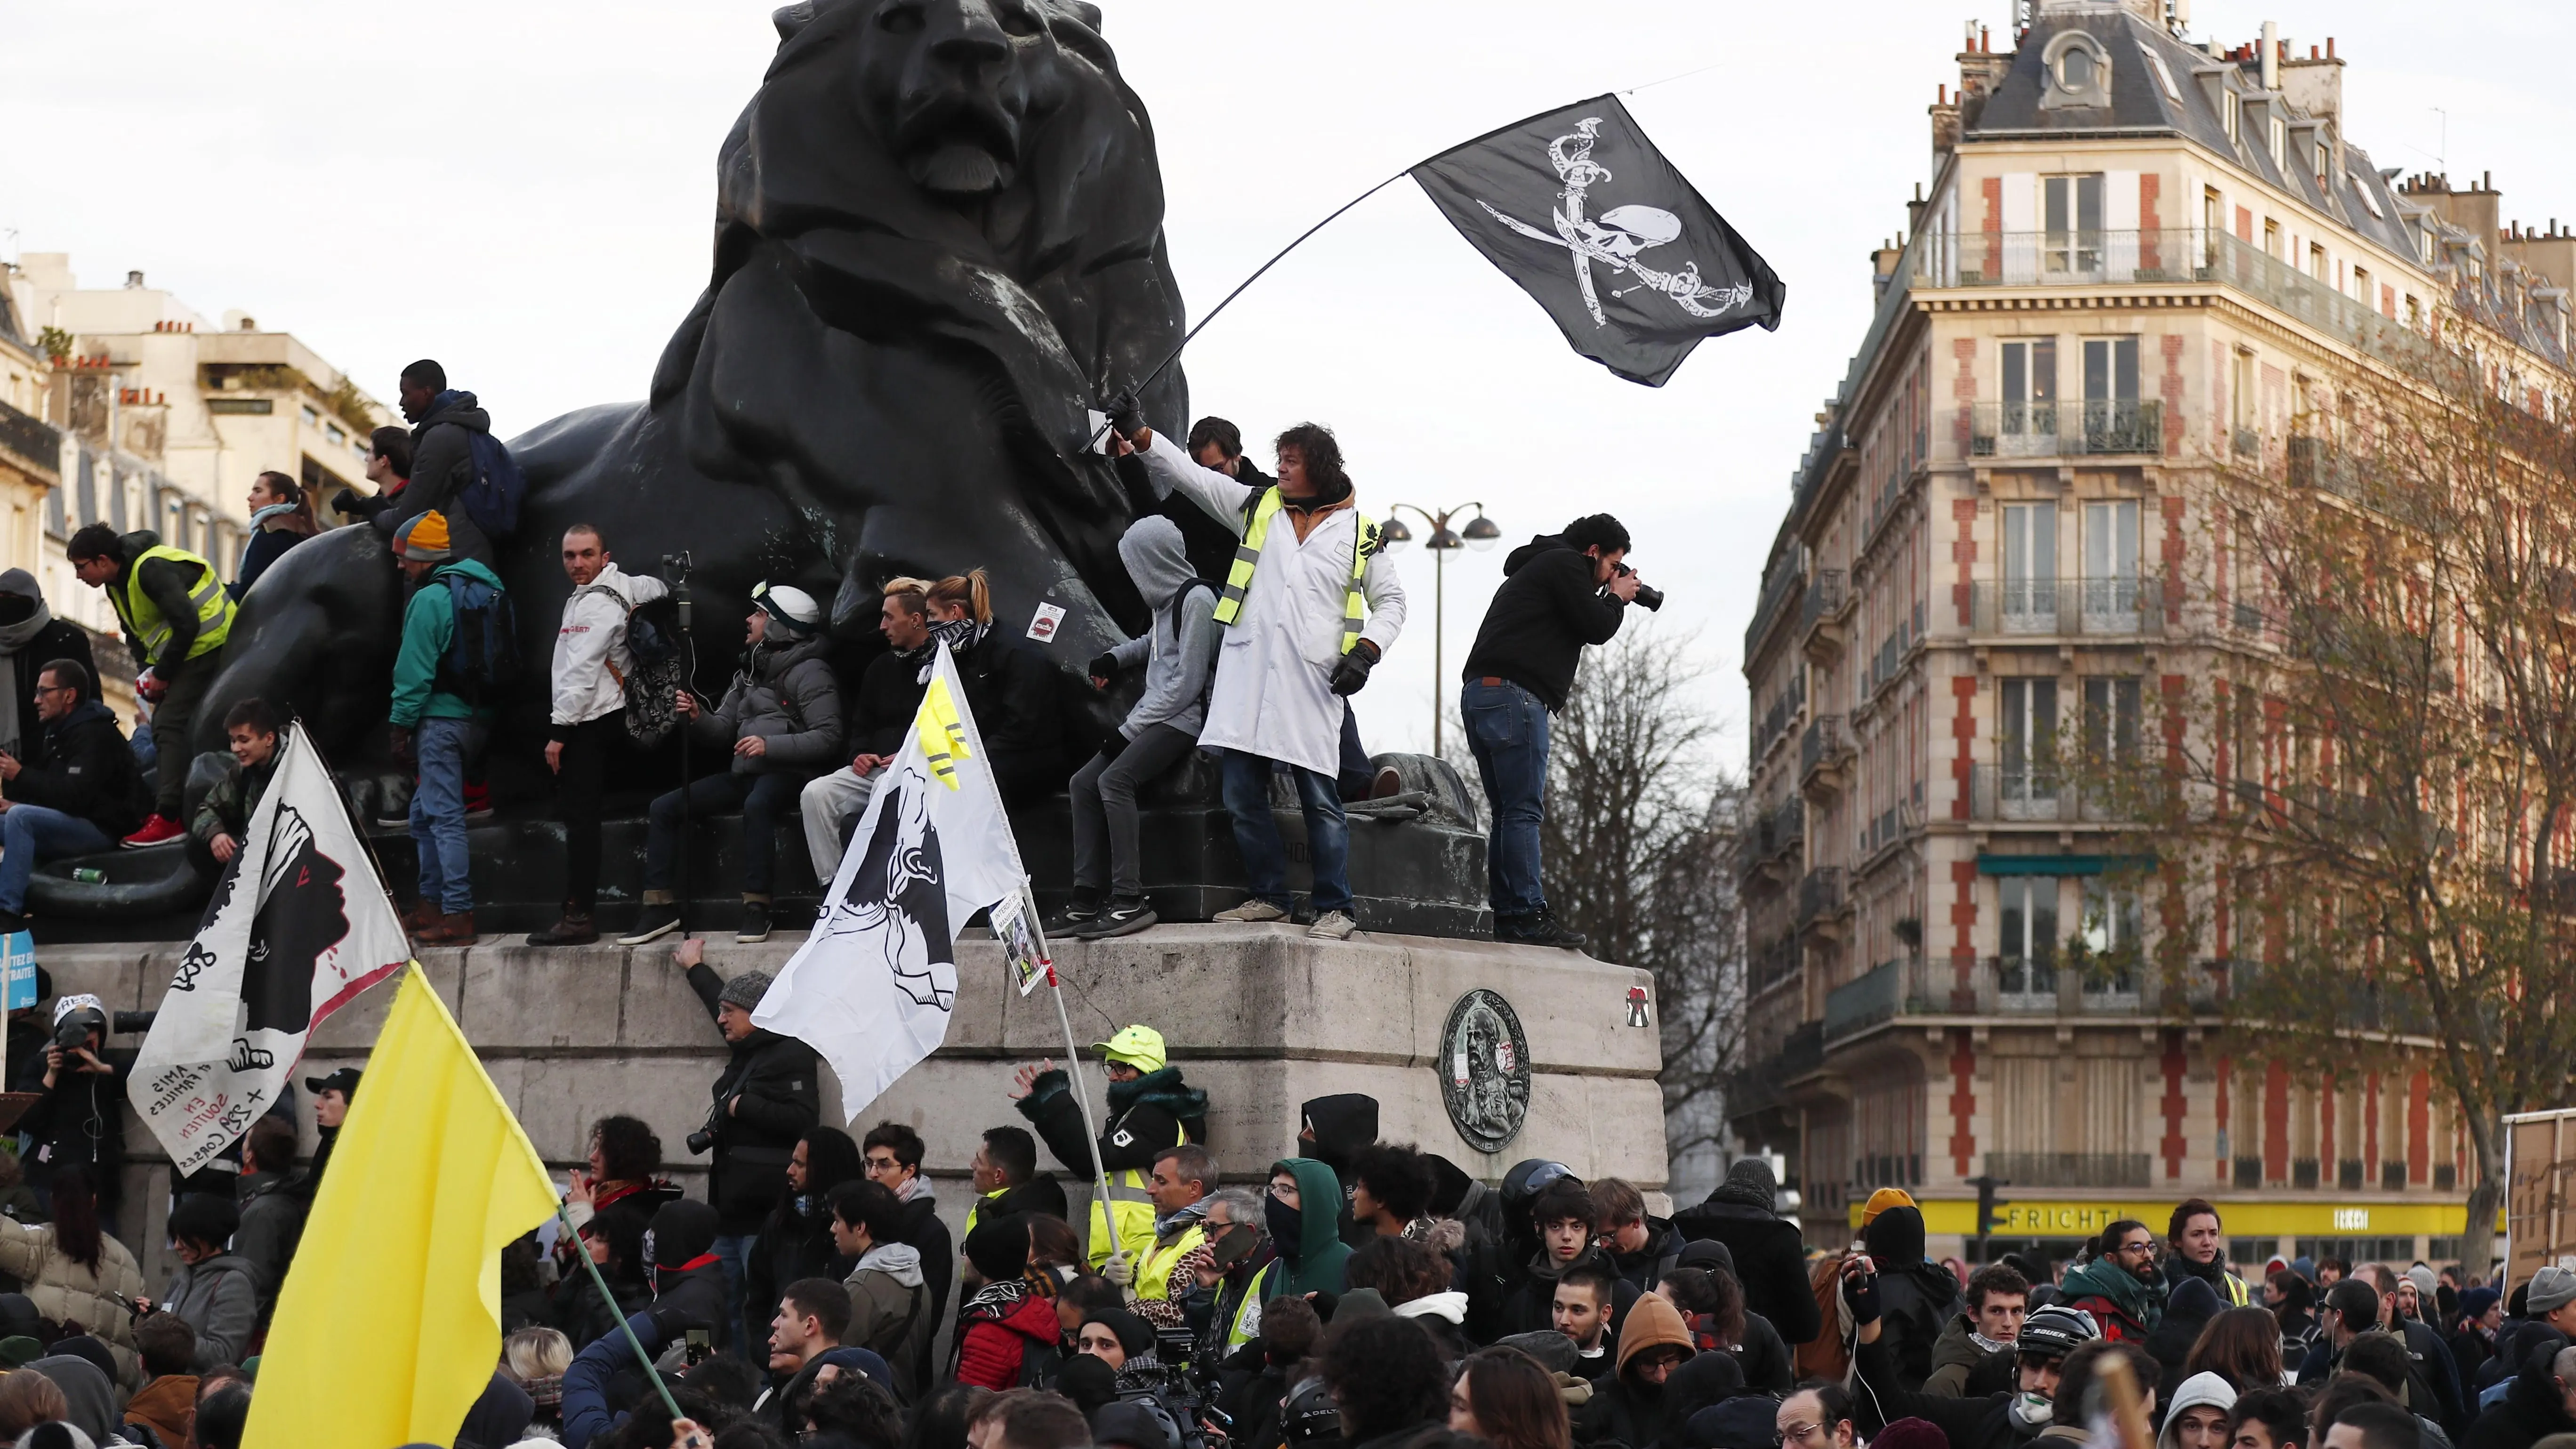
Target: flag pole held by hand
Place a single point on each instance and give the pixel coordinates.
(599, 1280)
(1073, 1065)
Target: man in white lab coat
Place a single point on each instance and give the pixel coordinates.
(1309, 606)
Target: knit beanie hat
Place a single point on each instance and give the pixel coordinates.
(1707, 1253)
(999, 1250)
(745, 991)
(1910, 1433)
(2552, 1288)
(1895, 1237)
(2476, 1301)
(1749, 1183)
(425, 539)
(1134, 1335)
(2426, 1284)
(1883, 1199)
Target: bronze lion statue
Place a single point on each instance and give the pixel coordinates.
(938, 245)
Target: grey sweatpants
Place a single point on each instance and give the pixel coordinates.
(1106, 832)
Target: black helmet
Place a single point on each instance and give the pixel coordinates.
(1521, 1185)
(2055, 1331)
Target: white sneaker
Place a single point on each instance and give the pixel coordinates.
(1332, 926)
(1255, 909)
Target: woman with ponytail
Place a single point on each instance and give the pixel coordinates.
(281, 516)
(1011, 686)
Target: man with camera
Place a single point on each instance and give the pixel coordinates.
(80, 1119)
(766, 1098)
(1560, 592)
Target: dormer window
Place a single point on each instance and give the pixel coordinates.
(2231, 110)
(2369, 198)
(2164, 73)
(2079, 73)
(2280, 130)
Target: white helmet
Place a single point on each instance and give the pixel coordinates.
(789, 605)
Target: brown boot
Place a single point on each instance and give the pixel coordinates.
(419, 916)
(455, 930)
(574, 929)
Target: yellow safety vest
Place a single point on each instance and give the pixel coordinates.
(1131, 1208)
(1247, 1316)
(1247, 554)
(975, 1209)
(143, 617)
(1154, 1270)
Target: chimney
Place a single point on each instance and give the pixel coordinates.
(133, 280)
(2271, 56)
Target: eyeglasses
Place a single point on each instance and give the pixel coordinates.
(1798, 1433)
(2143, 1245)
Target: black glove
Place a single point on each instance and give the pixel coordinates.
(1860, 1290)
(1104, 665)
(1351, 673)
(348, 502)
(1124, 414)
(401, 743)
(675, 1323)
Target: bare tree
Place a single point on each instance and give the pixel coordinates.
(1637, 854)
(2375, 790)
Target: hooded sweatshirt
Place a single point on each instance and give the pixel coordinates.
(2201, 1390)
(1312, 1257)
(1625, 1407)
(891, 1309)
(1548, 608)
(91, 1398)
(1919, 1296)
(1179, 648)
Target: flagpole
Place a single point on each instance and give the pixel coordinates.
(1073, 1065)
(581, 1250)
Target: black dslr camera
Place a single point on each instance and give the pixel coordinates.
(74, 1029)
(1648, 597)
(703, 1141)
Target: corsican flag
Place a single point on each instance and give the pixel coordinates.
(298, 926)
(872, 987)
(389, 1322)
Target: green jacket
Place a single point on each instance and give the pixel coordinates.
(2101, 1284)
(1321, 1255)
(227, 806)
(429, 627)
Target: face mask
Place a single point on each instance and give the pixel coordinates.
(2031, 1411)
(1285, 1223)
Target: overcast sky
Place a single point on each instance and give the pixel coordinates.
(523, 190)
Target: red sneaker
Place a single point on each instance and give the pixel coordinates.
(159, 830)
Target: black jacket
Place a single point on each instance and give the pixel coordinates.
(1547, 609)
(775, 1078)
(1013, 690)
(2432, 1383)
(81, 1123)
(2529, 1411)
(1149, 1113)
(889, 696)
(265, 547)
(1529, 1301)
(1918, 1300)
(1768, 1367)
(579, 1314)
(83, 766)
(442, 463)
(1970, 1423)
(1770, 1260)
(695, 1297)
(923, 1230)
(1645, 1267)
(792, 1245)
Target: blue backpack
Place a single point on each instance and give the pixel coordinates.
(483, 655)
(492, 496)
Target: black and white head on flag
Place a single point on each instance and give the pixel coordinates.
(1581, 210)
(898, 898)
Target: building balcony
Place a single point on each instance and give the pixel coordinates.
(2113, 985)
(2093, 427)
(2148, 257)
(1824, 616)
(1823, 904)
(2036, 795)
(2134, 607)
(1824, 758)
(2318, 463)
(35, 441)
(1771, 839)
(1777, 592)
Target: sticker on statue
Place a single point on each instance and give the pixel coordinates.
(1636, 1006)
(1043, 627)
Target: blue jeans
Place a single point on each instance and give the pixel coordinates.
(30, 835)
(1256, 832)
(1507, 730)
(443, 747)
(734, 1252)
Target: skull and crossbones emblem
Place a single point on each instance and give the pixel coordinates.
(1617, 237)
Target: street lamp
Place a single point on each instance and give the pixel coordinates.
(1479, 533)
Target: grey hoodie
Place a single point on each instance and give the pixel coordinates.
(1180, 656)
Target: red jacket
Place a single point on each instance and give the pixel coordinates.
(995, 1343)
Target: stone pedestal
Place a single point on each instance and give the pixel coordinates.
(1259, 1017)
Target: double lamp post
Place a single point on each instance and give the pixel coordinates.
(1479, 533)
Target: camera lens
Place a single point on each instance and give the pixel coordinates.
(700, 1142)
(1649, 597)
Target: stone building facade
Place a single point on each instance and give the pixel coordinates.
(2136, 257)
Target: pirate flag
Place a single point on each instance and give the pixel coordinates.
(298, 926)
(1581, 210)
(874, 984)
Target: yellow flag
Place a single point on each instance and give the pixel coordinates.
(389, 1325)
(943, 736)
